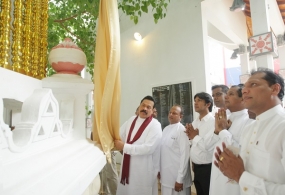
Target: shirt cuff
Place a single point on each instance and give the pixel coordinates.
(190, 142)
(249, 183)
(224, 133)
(196, 139)
(127, 148)
(179, 179)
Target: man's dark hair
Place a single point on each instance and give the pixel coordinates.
(149, 98)
(223, 87)
(239, 90)
(271, 78)
(206, 97)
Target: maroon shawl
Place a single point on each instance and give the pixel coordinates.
(127, 157)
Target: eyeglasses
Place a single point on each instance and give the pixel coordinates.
(217, 94)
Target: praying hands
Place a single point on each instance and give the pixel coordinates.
(221, 121)
(230, 165)
(190, 131)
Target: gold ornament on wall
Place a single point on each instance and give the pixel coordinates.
(28, 34)
(26, 50)
(17, 38)
(43, 38)
(5, 20)
(35, 38)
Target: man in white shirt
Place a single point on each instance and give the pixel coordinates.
(202, 140)
(154, 114)
(229, 132)
(175, 176)
(141, 137)
(219, 93)
(260, 168)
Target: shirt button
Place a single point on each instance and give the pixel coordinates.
(245, 189)
(247, 152)
(254, 132)
(250, 142)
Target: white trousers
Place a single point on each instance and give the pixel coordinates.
(170, 191)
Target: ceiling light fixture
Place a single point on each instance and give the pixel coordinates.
(238, 5)
(280, 40)
(138, 36)
(234, 55)
(242, 49)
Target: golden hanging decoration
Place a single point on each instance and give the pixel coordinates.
(5, 34)
(29, 36)
(43, 38)
(17, 38)
(35, 38)
(26, 50)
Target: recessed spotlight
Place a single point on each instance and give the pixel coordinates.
(138, 36)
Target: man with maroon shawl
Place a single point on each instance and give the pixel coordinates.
(140, 136)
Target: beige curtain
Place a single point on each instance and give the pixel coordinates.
(107, 90)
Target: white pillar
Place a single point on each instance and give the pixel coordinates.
(252, 65)
(199, 44)
(71, 90)
(260, 25)
(281, 52)
(244, 63)
(89, 105)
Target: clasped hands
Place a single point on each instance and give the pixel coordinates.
(190, 131)
(230, 165)
(221, 121)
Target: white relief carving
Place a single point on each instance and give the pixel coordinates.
(39, 120)
(29, 163)
(4, 128)
(66, 115)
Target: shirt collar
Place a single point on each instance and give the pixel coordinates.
(171, 125)
(238, 113)
(207, 117)
(140, 119)
(228, 112)
(271, 112)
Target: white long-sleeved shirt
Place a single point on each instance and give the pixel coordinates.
(144, 162)
(136, 148)
(232, 136)
(216, 109)
(174, 156)
(219, 183)
(263, 154)
(202, 148)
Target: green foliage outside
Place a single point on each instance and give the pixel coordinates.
(77, 19)
(135, 8)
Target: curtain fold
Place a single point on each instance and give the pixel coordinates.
(107, 84)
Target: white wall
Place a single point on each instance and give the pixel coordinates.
(171, 51)
(176, 49)
(232, 24)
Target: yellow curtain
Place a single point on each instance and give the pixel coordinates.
(107, 89)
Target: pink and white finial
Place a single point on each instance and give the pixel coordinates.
(67, 58)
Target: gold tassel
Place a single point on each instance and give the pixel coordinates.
(43, 39)
(26, 59)
(17, 38)
(5, 20)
